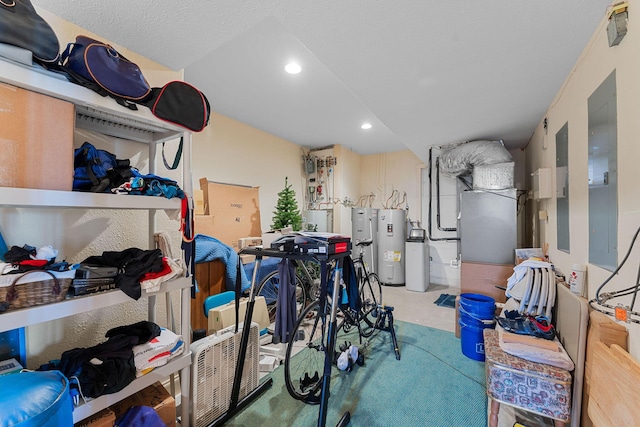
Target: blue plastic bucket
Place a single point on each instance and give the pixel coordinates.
(476, 314)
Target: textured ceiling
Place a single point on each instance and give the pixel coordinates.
(422, 72)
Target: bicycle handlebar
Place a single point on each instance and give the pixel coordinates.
(364, 242)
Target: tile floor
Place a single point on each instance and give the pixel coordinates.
(419, 307)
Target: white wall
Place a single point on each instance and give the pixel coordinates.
(570, 105)
(445, 268)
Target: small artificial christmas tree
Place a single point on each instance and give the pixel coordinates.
(287, 213)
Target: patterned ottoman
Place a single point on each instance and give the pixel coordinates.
(534, 387)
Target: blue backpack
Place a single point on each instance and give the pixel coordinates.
(98, 170)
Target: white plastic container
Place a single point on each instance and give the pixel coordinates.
(577, 279)
(416, 265)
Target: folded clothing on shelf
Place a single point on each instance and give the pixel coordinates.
(157, 351)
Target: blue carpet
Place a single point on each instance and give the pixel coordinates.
(433, 384)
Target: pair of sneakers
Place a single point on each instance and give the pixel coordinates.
(523, 324)
(348, 357)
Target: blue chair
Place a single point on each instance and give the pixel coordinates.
(217, 300)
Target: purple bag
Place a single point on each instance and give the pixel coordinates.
(140, 416)
(100, 63)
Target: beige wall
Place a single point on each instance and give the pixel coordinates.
(231, 152)
(389, 176)
(347, 185)
(570, 105)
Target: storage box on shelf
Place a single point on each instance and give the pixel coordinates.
(33, 288)
(105, 116)
(36, 137)
(104, 418)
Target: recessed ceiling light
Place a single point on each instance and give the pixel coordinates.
(293, 68)
(366, 126)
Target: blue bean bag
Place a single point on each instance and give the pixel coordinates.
(30, 399)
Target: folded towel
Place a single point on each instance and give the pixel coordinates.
(511, 338)
(536, 353)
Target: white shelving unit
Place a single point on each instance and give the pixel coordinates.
(104, 115)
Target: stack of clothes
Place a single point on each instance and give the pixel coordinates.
(531, 338)
(157, 351)
(110, 366)
(107, 367)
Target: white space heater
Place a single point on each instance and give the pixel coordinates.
(214, 360)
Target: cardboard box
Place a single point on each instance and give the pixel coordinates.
(482, 278)
(198, 202)
(104, 418)
(36, 140)
(155, 396)
(246, 258)
(232, 212)
(245, 242)
(225, 315)
(270, 236)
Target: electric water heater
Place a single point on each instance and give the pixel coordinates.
(392, 232)
(364, 225)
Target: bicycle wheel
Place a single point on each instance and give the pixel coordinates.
(304, 358)
(309, 271)
(371, 296)
(269, 290)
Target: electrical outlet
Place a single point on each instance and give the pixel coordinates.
(622, 314)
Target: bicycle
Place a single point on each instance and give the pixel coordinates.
(307, 287)
(305, 355)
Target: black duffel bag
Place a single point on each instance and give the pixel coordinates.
(21, 26)
(180, 103)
